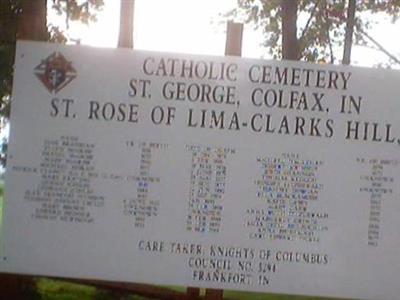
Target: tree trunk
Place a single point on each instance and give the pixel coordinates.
(348, 41)
(290, 47)
(125, 39)
(32, 21)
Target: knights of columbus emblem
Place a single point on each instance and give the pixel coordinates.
(55, 72)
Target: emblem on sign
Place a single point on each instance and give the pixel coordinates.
(55, 72)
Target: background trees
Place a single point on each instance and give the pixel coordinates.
(311, 30)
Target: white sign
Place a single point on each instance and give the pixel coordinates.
(214, 172)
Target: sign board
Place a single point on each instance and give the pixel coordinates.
(214, 172)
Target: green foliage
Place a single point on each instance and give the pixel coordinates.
(235, 295)
(60, 290)
(6, 71)
(76, 11)
(321, 23)
(8, 30)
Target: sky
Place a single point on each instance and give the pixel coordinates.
(195, 27)
(183, 26)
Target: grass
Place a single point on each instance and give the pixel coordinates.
(262, 296)
(48, 289)
(59, 290)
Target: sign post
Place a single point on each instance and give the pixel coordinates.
(233, 47)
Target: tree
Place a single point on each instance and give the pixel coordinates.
(27, 19)
(290, 44)
(322, 25)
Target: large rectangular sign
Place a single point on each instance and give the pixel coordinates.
(214, 172)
